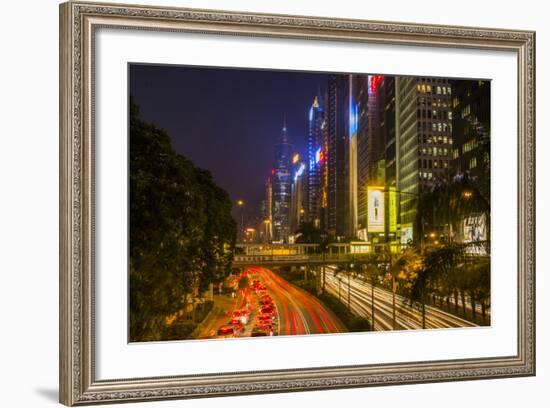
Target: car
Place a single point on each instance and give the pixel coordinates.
(266, 318)
(261, 331)
(227, 331)
(242, 315)
(238, 327)
(265, 324)
(265, 302)
(270, 309)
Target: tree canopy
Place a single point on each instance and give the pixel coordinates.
(181, 229)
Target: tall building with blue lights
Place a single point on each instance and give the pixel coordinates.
(316, 160)
(299, 193)
(282, 185)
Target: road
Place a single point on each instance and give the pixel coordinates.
(299, 312)
(296, 312)
(407, 317)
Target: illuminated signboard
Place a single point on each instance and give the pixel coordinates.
(375, 209)
(406, 234)
(474, 229)
(319, 156)
(374, 82)
(300, 171)
(352, 117)
(392, 203)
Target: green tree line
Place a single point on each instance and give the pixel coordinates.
(181, 230)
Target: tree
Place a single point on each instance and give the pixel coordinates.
(443, 271)
(478, 285)
(448, 203)
(308, 233)
(403, 271)
(181, 230)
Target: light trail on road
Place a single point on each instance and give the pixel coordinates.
(407, 317)
(297, 311)
(301, 313)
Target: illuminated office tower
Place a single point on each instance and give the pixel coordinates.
(337, 118)
(377, 202)
(282, 179)
(299, 192)
(353, 123)
(423, 141)
(316, 158)
(471, 119)
(268, 211)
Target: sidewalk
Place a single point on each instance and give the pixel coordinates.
(219, 315)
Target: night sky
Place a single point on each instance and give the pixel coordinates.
(227, 120)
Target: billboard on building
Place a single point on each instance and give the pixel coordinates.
(392, 212)
(375, 209)
(406, 234)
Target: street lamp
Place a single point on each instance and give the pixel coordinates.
(240, 203)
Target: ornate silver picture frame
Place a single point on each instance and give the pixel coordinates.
(79, 22)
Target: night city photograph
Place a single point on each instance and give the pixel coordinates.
(276, 203)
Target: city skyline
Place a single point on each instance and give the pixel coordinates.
(254, 157)
(266, 99)
(286, 203)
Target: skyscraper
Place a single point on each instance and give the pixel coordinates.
(423, 141)
(268, 211)
(377, 205)
(471, 130)
(299, 193)
(316, 157)
(282, 179)
(367, 138)
(337, 118)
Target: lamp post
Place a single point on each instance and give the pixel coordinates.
(240, 204)
(349, 288)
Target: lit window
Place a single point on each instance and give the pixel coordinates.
(438, 90)
(450, 115)
(473, 163)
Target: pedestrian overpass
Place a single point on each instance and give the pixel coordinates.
(303, 254)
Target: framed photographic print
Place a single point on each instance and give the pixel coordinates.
(258, 203)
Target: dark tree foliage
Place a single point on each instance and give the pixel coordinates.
(181, 229)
